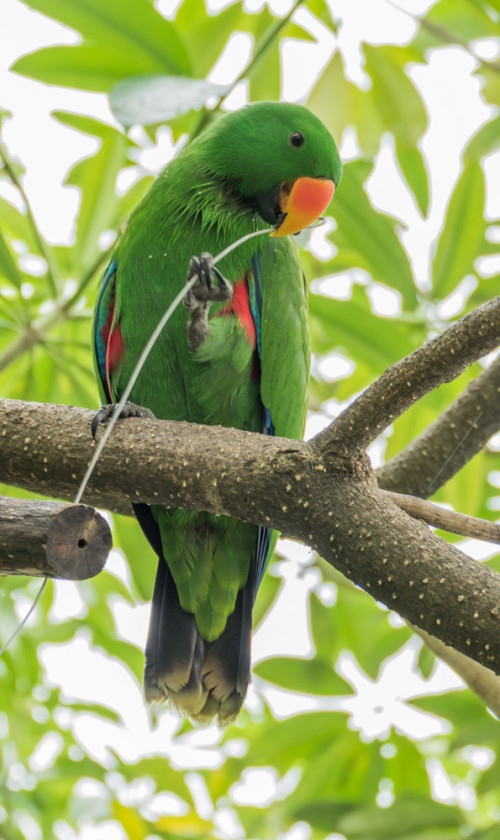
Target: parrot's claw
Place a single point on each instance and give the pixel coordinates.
(201, 295)
(129, 409)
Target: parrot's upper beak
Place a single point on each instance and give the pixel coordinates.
(302, 203)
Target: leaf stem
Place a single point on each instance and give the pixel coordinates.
(52, 273)
(443, 35)
(35, 332)
(261, 48)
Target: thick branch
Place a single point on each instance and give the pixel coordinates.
(47, 539)
(328, 502)
(440, 360)
(448, 443)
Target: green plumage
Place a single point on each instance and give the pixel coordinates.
(206, 199)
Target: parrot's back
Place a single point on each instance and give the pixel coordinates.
(248, 368)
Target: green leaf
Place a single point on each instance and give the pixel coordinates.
(85, 67)
(205, 34)
(324, 815)
(406, 816)
(114, 43)
(265, 74)
(366, 238)
(426, 661)
(461, 20)
(141, 558)
(413, 167)
(484, 142)
(398, 103)
(341, 769)
(295, 740)
(8, 265)
(371, 635)
(463, 233)
(16, 224)
(154, 99)
(311, 676)
(5, 114)
(96, 178)
(352, 326)
(391, 104)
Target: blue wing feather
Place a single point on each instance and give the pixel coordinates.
(102, 310)
(264, 534)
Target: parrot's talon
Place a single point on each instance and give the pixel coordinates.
(201, 295)
(129, 409)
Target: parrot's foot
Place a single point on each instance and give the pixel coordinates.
(200, 297)
(129, 409)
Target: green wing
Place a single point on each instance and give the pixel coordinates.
(285, 339)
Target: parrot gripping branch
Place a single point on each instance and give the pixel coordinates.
(310, 491)
(329, 502)
(322, 492)
(314, 491)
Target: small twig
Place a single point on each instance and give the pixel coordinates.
(481, 680)
(443, 35)
(52, 273)
(261, 48)
(447, 520)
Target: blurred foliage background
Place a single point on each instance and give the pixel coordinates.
(356, 733)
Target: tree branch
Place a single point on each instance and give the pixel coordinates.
(450, 442)
(301, 489)
(446, 520)
(439, 360)
(48, 539)
(480, 679)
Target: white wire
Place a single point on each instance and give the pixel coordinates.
(118, 408)
(130, 384)
(25, 619)
(144, 355)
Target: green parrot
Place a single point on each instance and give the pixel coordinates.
(236, 354)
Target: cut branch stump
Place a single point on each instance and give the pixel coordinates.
(51, 539)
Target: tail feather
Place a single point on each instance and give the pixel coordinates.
(201, 679)
(172, 669)
(204, 680)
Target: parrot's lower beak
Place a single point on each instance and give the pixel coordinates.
(302, 203)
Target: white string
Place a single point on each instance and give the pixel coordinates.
(144, 355)
(130, 384)
(457, 447)
(25, 619)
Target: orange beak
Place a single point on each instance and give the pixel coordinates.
(303, 203)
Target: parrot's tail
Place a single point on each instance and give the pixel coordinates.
(204, 680)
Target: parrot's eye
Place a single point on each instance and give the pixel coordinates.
(297, 139)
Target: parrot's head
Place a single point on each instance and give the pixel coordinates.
(280, 159)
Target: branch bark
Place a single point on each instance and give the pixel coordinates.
(48, 539)
(439, 360)
(446, 520)
(450, 442)
(302, 489)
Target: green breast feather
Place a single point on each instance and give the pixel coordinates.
(250, 371)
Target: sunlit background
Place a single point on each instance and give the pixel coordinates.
(84, 671)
